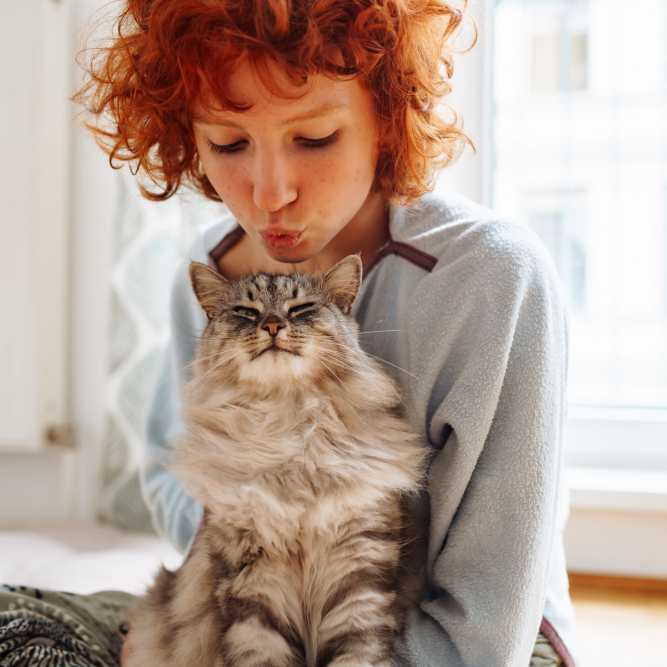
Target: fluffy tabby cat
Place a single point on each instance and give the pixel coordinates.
(298, 450)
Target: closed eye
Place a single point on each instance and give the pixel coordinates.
(318, 143)
(248, 313)
(303, 141)
(301, 309)
(225, 148)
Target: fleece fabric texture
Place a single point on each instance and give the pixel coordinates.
(479, 347)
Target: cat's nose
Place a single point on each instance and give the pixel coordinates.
(272, 324)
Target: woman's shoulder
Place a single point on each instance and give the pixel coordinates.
(466, 238)
(209, 235)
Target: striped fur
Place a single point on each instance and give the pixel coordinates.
(305, 466)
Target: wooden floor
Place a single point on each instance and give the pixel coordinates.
(620, 622)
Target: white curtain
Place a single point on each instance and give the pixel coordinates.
(150, 240)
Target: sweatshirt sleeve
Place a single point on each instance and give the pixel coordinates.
(175, 515)
(497, 352)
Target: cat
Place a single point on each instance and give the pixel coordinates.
(299, 451)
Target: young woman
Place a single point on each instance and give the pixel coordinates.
(314, 122)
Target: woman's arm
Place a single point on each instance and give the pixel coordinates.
(499, 338)
(175, 514)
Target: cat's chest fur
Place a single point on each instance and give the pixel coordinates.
(303, 500)
(303, 480)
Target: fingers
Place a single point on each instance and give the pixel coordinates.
(126, 651)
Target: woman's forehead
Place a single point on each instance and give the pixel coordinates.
(281, 99)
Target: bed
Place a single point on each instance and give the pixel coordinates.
(81, 557)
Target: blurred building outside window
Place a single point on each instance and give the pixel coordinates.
(580, 137)
(579, 133)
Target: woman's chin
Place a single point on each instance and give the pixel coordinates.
(296, 255)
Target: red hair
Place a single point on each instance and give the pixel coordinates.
(168, 55)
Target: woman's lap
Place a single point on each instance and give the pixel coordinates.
(60, 629)
(544, 654)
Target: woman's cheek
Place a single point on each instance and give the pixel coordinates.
(227, 181)
(326, 164)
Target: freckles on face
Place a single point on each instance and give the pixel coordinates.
(223, 185)
(270, 168)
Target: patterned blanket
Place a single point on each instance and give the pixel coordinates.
(40, 628)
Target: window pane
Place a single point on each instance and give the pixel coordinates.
(580, 92)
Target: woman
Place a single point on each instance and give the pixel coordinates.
(314, 122)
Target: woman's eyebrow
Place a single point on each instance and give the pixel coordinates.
(322, 110)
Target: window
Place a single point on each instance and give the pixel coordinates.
(558, 57)
(560, 218)
(580, 141)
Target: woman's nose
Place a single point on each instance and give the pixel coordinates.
(273, 185)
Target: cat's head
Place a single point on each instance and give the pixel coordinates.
(266, 329)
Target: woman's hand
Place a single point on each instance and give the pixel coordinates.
(127, 650)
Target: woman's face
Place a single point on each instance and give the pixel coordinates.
(296, 165)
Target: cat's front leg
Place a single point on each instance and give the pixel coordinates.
(252, 642)
(359, 630)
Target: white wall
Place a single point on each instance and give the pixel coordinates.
(617, 542)
(34, 244)
(71, 262)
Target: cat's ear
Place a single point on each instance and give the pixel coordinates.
(210, 288)
(342, 281)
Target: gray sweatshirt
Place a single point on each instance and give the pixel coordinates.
(468, 316)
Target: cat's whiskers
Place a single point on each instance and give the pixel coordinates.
(394, 365)
(335, 351)
(216, 335)
(222, 362)
(218, 339)
(337, 358)
(363, 333)
(330, 371)
(215, 355)
(339, 361)
(342, 360)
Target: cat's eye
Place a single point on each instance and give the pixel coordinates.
(301, 309)
(246, 312)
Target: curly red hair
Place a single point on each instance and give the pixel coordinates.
(168, 55)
